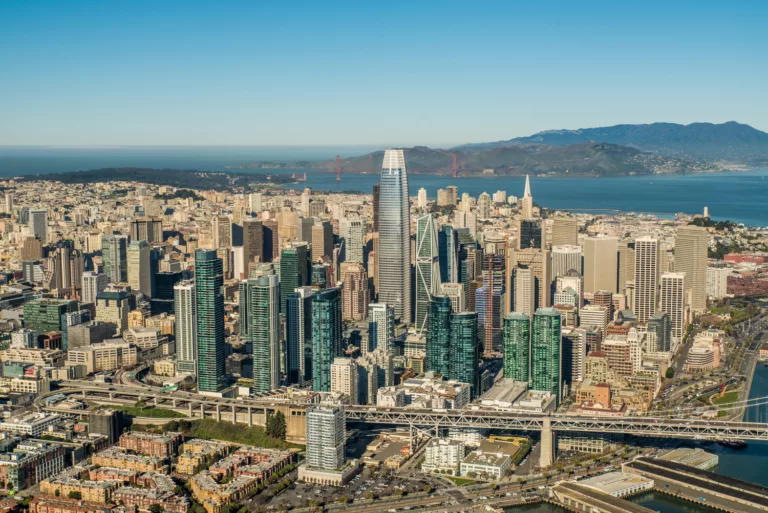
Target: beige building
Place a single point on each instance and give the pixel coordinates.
(673, 302)
(646, 277)
(355, 295)
(565, 231)
(107, 356)
(344, 378)
(691, 245)
(600, 264)
(539, 263)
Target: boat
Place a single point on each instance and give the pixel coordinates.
(733, 444)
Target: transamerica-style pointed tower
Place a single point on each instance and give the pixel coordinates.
(526, 212)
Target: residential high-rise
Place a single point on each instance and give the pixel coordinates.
(517, 346)
(92, 284)
(565, 232)
(253, 242)
(221, 226)
(600, 264)
(646, 277)
(326, 336)
(381, 328)
(9, 202)
(673, 302)
(565, 258)
(526, 210)
(484, 205)
(254, 203)
(352, 232)
(422, 198)
(604, 298)
(594, 316)
(344, 374)
(209, 282)
(439, 336)
(465, 351)
(691, 245)
(546, 352)
(38, 224)
(260, 325)
(185, 310)
(294, 270)
(395, 236)
(427, 268)
(114, 249)
(138, 267)
(354, 294)
(113, 306)
(574, 355)
(326, 436)
(660, 330)
(298, 339)
(717, 281)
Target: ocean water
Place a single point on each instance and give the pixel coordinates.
(737, 196)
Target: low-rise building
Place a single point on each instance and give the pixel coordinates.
(117, 457)
(150, 444)
(29, 463)
(618, 484)
(488, 465)
(30, 423)
(196, 455)
(443, 456)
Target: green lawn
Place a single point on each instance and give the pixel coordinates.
(155, 413)
(728, 398)
(461, 481)
(209, 429)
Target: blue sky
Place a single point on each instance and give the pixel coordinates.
(330, 73)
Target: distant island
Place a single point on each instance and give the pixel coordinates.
(215, 180)
(620, 150)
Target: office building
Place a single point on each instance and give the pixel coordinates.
(148, 229)
(352, 233)
(163, 295)
(92, 284)
(673, 302)
(646, 277)
(381, 328)
(526, 210)
(344, 374)
(594, 316)
(326, 336)
(438, 351)
(253, 242)
(691, 245)
(354, 294)
(574, 355)
(38, 224)
(221, 226)
(517, 346)
(546, 352)
(448, 254)
(626, 261)
(565, 232)
(395, 236)
(660, 333)
(44, 315)
(539, 263)
(114, 250)
(454, 291)
(530, 234)
(138, 267)
(209, 283)
(112, 306)
(322, 240)
(427, 268)
(600, 264)
(565, 258)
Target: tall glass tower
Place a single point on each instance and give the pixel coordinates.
(465, 350)
(517, 349)
(326, 336)
(209, 282)
(546, 352)
(395, 236)
(259, 303)
(448, 250)
(298, 340)
(427, 268)
(439, 335)
(294, 271)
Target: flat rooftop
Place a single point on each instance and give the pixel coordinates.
(615, 482)
(600, 500)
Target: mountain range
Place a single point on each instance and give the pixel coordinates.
(605, 151)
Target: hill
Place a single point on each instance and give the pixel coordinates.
(730, 141)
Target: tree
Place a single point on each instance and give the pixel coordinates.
(428, 488)
(670, 373)
(276, 427)
(343, 499)
(74, 494)
(156, 508)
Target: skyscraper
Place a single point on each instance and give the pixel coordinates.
(344, 376)
(565, 258)
(185, 310)
(254, 203)
(259, 308)
(381, 328)
(93, 283)
(148, 229)
(352, 232)
(517, 346)
(253, 242)
(565, 231)
(448, 253)
(626, 261)
(38, 223)
(427, 268)
(294, 270)
(326, 436)
(439, 336)
(673, 302)
(395, 235)
(114, 250)
(660, 329)
(298, 345)
(646, 277)
(326, 336)
(221, 226)
(691, 246)
(530, 234)
(546, 352)
(465, 351)
(137, 263)
(455, 292)
(209, 282)
(600, 264)
(354, 293)
(526, 210)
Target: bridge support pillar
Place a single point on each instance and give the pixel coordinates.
(111, 395)
(85, 395)
(202, 411)
(218, 413)
(155, 400)
(234, 414)
(547, 456)
(250, 416)
(191, 413)
(173, 402)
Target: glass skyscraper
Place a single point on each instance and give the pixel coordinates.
(294, 271)
(209, 282)
(660, 326)
(427, 268)
(114, 251)
(259, 298)
(298, 346)
(395, 236)
(464, 350)
(439, 336)
(546, 352)
(326, 336)
(517, 349)
(448, 253)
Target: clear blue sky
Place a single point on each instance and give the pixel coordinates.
(257, 72)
